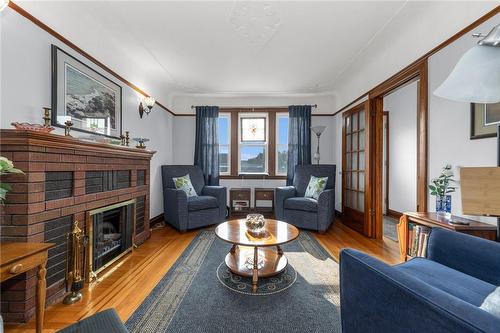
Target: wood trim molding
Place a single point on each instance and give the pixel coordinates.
(156, 219)
(248, 176)
(73, 46)
(416, 70)
(394, 214)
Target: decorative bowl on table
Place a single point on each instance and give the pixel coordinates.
(32, 127)
(255, 223)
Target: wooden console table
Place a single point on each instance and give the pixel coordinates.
(432, 220)
(18, 258)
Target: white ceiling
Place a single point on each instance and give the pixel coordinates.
(171, 47)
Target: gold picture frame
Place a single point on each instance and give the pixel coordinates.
(482, 124)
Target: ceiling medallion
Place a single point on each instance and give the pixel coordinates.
(255, 21)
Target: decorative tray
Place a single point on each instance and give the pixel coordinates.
(32, 127)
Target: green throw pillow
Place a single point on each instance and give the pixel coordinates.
(184, 183)
(315, 187)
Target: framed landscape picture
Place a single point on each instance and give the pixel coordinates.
(484, 119)
(91, 101)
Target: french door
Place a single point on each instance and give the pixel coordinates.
(356, 198)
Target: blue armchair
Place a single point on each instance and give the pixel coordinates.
(440, 293)
(307, 213)
(184, 213)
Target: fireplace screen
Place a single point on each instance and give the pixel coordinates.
(110, 234)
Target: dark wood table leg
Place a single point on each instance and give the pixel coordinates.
(280, 250)
(255, 276)
(40, 297)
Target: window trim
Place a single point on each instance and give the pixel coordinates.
(227, 115)
(258, 115)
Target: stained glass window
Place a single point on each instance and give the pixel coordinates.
(253, 129)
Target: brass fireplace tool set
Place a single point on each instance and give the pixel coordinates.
(74, 277)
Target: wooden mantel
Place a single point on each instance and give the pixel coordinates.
(31, 138)
(64, 178)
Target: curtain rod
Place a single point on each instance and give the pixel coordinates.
(257, 107)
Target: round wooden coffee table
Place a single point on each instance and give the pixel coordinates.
(254, 256)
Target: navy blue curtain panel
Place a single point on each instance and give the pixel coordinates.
(299, 138)
(206, 151)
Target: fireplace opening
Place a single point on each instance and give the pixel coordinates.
(110, 231)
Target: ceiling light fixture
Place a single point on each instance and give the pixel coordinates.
(476, 76)
(148, 102)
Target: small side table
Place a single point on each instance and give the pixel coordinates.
(432, 220)
(239, 200)
(18, 258)
(264, 201)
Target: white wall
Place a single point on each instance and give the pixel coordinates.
(25, 66)
(184, 127)
(449, 122)
(418, 28)
(402, 107)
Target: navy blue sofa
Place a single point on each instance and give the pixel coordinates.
(184, 213)
(308, 213)
(440, 293)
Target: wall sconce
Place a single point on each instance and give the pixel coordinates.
(148, 102)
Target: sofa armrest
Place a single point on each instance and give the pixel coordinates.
(376, 297)
(326, 209)
(219, 192)
(468, 254)
(175, 208)
(282, 193)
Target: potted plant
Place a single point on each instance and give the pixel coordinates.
(441, 188)
(6, 167)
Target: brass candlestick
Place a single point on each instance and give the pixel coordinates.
(74, 277)
(46, 116)
(127, 138)
(67, 127)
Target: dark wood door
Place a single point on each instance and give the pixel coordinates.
(355, 169)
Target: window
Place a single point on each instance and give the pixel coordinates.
(253, 143)
(224, 144)
(281, 143)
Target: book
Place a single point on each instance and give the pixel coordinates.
(418, 236)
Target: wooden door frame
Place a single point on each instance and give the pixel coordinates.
(376, 96)
(387, 159)
(368, 225)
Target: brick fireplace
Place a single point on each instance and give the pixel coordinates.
(65, 179)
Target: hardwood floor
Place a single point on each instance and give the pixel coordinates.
(125, 285)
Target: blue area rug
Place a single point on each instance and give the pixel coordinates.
(192, 298)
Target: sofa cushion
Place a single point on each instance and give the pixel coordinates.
(453, 282)
(184, 183)
(202, 202)
(300, 203)
(315, 187)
